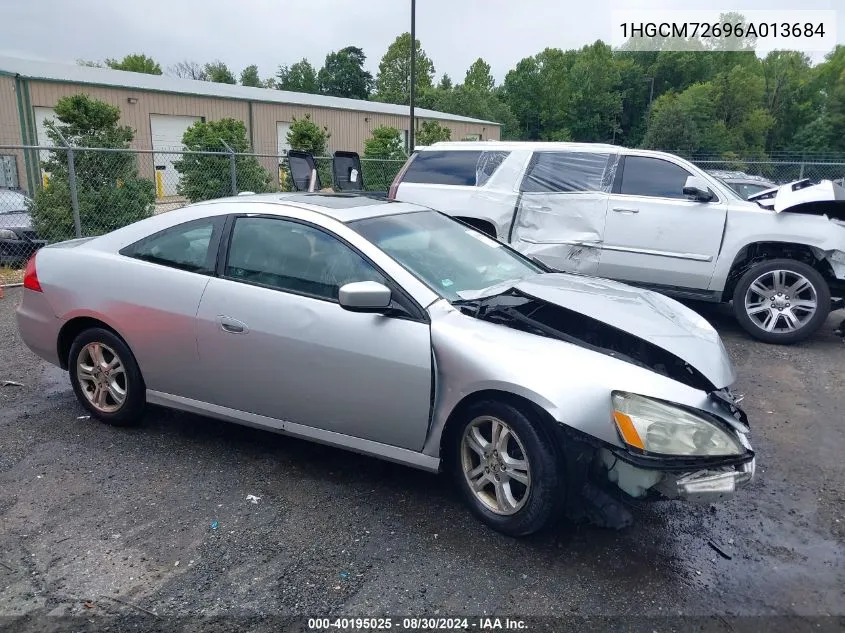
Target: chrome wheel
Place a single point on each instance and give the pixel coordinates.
(102, 376)
(495, 465)
(781, 301)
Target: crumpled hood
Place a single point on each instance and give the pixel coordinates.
(644, 314)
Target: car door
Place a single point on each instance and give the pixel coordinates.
(274, 341)
(656, 235)
(562, 208)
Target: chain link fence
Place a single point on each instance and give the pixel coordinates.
(62, 193)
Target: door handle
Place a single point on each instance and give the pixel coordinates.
(232, 326)
(625, 210)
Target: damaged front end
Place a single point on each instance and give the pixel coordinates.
(666, 449)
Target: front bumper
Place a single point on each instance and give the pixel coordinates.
(698, 485)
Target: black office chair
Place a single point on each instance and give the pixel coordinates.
(302, 165)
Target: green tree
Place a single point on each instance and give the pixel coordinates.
(109, 191)
(343, 74)
(306, 136)
(204, 176)
(300, 77)
(385, 143)
(445, 82)
(136, 63)
(249, 77)
(393, 83)
(218, 72)
(431, 132)
(478, 76)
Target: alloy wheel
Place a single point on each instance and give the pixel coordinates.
(495, 465)
(781, 301)
(102, 376)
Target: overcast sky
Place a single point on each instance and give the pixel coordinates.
(272, 32)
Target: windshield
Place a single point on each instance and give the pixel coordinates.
(447, 256)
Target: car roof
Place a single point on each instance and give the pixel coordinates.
(343, 207)
(491, 146)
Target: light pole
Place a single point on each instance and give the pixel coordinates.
(413, 73)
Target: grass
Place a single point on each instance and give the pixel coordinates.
(10, 275)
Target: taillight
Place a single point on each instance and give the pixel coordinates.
(30, 276)
(394, 186)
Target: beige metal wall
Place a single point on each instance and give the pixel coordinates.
(10, 128)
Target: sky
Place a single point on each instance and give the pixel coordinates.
(272, 32)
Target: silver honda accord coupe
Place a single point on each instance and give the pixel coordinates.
(395, 331)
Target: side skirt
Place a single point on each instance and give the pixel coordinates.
(338, 440)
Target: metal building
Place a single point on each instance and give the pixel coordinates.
(160, 108)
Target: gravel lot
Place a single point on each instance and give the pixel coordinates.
(156, 519)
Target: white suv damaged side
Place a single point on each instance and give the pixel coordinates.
(650, 219)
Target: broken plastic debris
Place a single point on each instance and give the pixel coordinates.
(214, 525)
(252, 498)
(12, 383)
(176, 564)
(83, 417)
(344, 574)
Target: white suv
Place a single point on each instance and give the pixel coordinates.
(646, 218)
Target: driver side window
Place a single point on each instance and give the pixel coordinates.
(294, 257)
(653, 178)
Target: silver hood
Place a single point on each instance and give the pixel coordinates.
(646, 315)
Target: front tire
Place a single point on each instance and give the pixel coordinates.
(106, 378)
(506, 469)
(781, 301)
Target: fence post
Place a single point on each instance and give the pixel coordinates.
(71, 167)
(233, 168)
(801, 173)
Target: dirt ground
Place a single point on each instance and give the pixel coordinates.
(151, 524)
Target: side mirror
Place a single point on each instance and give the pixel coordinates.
(364, 296)
(696, 187)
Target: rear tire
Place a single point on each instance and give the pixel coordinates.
(506, 469)
(781, 301)
(105, 377)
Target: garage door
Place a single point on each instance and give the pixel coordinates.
(167, 131)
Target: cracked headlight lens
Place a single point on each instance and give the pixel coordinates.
(656, 427)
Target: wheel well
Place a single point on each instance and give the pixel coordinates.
(526, 406)
(74, 328)
(763, 251)
(482, 225)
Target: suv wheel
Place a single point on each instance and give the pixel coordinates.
(506, 469)
(781, 301)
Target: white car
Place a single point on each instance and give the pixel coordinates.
(647, 218)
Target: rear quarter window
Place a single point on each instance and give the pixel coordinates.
(567, 172)
(470, 168)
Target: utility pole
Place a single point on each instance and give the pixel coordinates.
(413, 73)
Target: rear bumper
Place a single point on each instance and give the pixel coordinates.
(38, 326)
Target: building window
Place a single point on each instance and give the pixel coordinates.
(471, 137)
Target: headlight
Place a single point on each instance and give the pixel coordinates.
(656, 427)
(6, 234)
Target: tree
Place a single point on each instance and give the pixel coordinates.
(445, 82)
(109, 191)
(478, 76)
(300, 77)
(343, 74)
(249, 77)
(394, 71)
(431, 132)
(306, 136)
(384, 143)
(88, 63)
(188, 70)
(788, 96)
(218, 72)
(136, 63)
(206, 176)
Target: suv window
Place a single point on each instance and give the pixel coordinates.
(653, 177)
(561, 172)
(191, 246)
(459, 167)
(294, 257)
